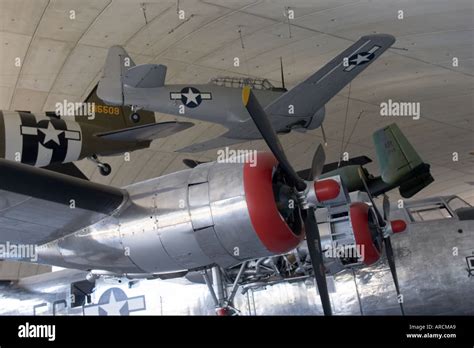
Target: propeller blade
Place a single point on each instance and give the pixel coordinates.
(313, 239)
(386, 208)
(317, 165)
(324, 135)
(387, 241)
(269, 135)
(393, 270)
(380, 219)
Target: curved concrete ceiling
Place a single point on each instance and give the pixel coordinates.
(61, 59)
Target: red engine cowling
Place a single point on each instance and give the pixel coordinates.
(268, 223)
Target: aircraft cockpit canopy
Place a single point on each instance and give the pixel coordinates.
(240, 82)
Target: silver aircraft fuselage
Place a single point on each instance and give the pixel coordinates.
(221, 105)
(433, 281)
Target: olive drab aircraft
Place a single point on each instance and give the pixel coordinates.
(54, 140)
(301, 108)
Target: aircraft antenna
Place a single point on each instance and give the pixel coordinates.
(353, 129)
(143, 6)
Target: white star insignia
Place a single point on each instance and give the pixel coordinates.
(191, 97)
(113, 306)
(50, 133)
(361, 59)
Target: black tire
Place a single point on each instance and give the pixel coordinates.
(105, 169)
(135, 117)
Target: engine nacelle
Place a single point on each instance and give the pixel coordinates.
(350, 236)
(215, 213)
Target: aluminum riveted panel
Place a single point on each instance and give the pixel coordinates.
(175, 228)
(97, 247)
(200, 173)
(198, 197)
(230, 212)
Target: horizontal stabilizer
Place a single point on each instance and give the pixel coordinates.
(211, 144)
(329, 167)
(146, 132)
(358, 161)
(145, 76)
(312, 94)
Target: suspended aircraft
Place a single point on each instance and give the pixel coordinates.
(302, 108)
(214, 214)
(283, 284)
(54, 140)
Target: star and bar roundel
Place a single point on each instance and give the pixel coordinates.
(41, 140)
(361, 58)
(191, 97)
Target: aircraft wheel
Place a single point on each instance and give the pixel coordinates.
(105, 169)
(135, 117)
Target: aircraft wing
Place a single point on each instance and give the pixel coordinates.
(39, 205)
(68, 169)
(146, 132)
(312, 94)
(213, 143)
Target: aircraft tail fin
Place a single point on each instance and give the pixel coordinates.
(312, 94)
(146, 76)
(399, 162)
(120, 71)
(116, 65)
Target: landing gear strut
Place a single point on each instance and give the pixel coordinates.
(135, 116)
(222, 300)
(104, 168)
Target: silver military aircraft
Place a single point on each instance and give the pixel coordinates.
(178, 225)
(214, 214)
(301, 108)
(282, 285)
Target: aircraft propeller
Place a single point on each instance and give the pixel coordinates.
(313, 237)
(382, 223)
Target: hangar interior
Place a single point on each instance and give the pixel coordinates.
(61, 58)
